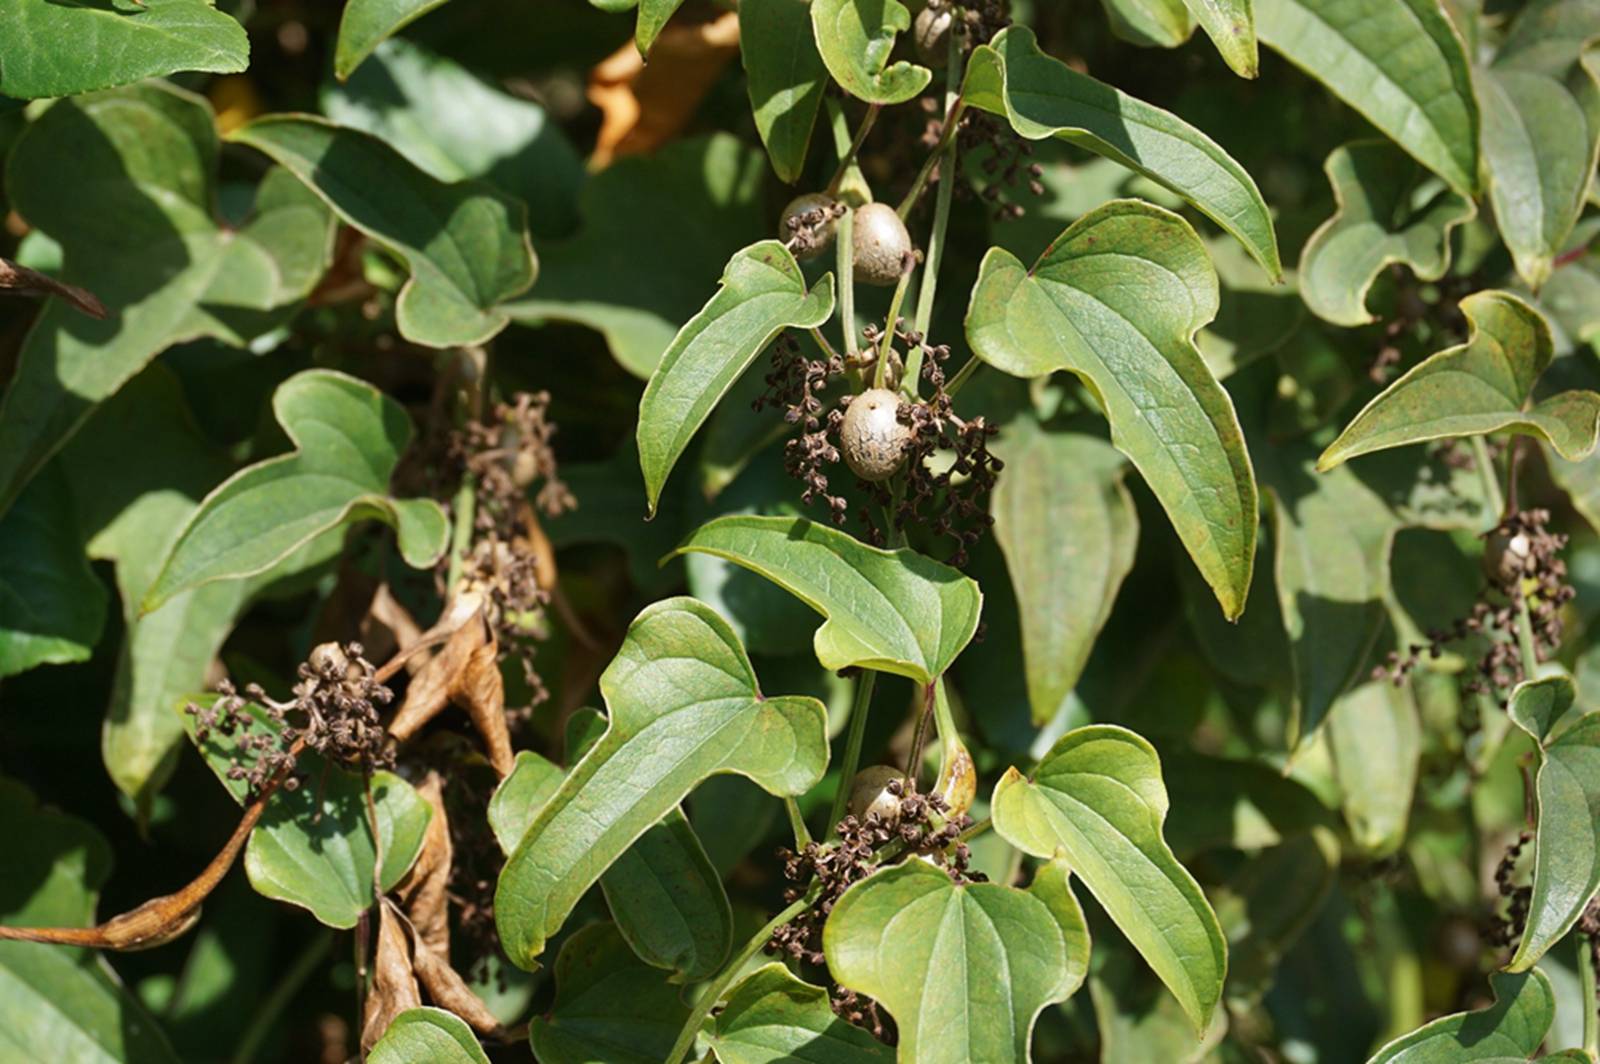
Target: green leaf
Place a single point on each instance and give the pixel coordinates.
(125, 182)
(1231, 25)
(1137, 1021)
(785, 76)
(1378, 222)
(1549, 35)
(1266, 906)
(684, 705)
(59, 1003)
(896, 611)
(964, 969)
(1043, 97)
(1097, 799)
(348, 436)
(1401, 65)
(1116, 300)
(434, 1035)
(1511, 1029)
(855, 39)
(1233, 804)
(653, 17)
(1566, 856)
(773, 1018)
(1067, 525)
(609, 1006)
(1151, 23)
(368, 23)
(55, 49)
(466, 244)
(1541, 141)
(692, 204)
(762, 292)
(520, 796)
(1475, 388)
(1376, 742)
(454, 125)
(52, 606)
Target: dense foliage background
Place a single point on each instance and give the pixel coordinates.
(1228, 595)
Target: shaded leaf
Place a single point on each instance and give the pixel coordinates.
(1116, 300)
(125, 182)
(1401, 65)
(466, 244)
(52, 606)
(1137, 1020)
(683, 705)
(609, 1006)
(761, 293)
(1155, 23)
(348, 437)
(1511, 1029)
(366, 24)
(1097, 799)
(54, 49)
(896, 611)
(1043, 97)
(653, 16)
(855, 39)
(1376, 742)
(773, 1018)
(427, 1034)
(1378, 222)
(1478, 387)
(1067, 525)
(1267, 905)
(785, 77)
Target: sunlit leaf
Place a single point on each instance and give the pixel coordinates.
(1511, 1029)
(785, 76)
(1116, 300)
(773, 1018)
(366, 24)
(855, 39)
(1231, 26)
(434, 1035)
(1097, 799)
(683, 705)
(1043, 97)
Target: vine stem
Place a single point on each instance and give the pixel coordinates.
(849, 157)
(941, 221)
(859, 708)
(465, 505)
(966, 371)
(730, 971)
(1526, 648)
(1587, 981)
(951, 123)
(844, 239)
(1491, 483)
(880, 373)
(797, 823)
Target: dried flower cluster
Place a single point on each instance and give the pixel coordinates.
(923, 826)
(811, 230)
(795, 385)
(335, 712)
(1509, 928)
(1522, 564)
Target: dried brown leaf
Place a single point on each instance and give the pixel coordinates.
(424, 890)
(466, 672)
(448, 990)
(22, 281)
(394, 985)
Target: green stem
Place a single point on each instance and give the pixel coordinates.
(880, 373)
(941, 221)
(848, 157)
(852, 748)
(943, 718)
(1586, 984)
(822, 342)
(1525, 644)
(952, 123)
(1491, 495)
(1491, 483)
(844, 238)
(719, 985)
(797, 823)
(966, 371)
(268, 1012)
(465, 505)
(977, 828)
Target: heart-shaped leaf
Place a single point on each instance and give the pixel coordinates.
(466, 244)
(1566, 855)
(1231, 25)
(1067, 525)
(1375, 224)
(1513, 1028)
(785, 76)
(855, 39)
(663, 892)
(1376, 742)
(897, 611)
(348, 436)
(1097, 798)
(684, 705)
(1475, 388)
(1541, 141)
(773, 1018)
(1116, 300)
(434, 1035)
(1401, 64)
(53, 49)
(1042, 97)
(762, 292)
(366, 24)
(52, 606)
(125, 182)
(609, 1006)
(964, 969)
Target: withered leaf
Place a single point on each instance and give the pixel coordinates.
(23, 281)
(448, 990)
(394, 986)
(424, 891)
(467, 672)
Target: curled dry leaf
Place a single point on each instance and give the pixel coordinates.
(388, 622)
(424, 890)
(20, 280)
(467, 672)
(394, 985)
(448, 990)
(642, 106)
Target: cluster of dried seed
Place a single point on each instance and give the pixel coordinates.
(795, 385)
(810, 231)
(1509, 928)
(335, 712)
(1522, 563)
(923, 826)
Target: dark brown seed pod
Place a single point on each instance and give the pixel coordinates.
(879, 244)
(931, 35)
(872, 438)
(807, 224)
(869, 793)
